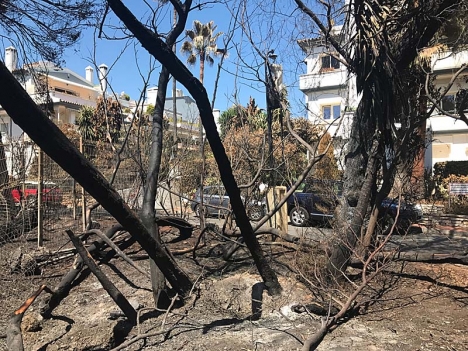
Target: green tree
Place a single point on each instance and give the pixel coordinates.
(85, 123)
(102, 123)
(238, 116)
(150, 109)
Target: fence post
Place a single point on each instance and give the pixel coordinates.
(74, 199)
(40, 176)
(83, 198)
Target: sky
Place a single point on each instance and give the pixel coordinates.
(242, 70)
(125, 75)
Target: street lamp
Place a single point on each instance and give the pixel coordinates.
(269, 103)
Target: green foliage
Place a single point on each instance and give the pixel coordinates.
(436, 185)
(85, 123)
(102, 123)
(238, 116)
(150, 109)
(225, 120)
(444, 169)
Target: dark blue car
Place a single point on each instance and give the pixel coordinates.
(316, 203)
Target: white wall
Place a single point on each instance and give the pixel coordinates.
(449, 147)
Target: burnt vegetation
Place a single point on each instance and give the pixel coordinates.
(125, 224)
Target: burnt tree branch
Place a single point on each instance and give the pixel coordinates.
(29, 117)
(111, 289)
(164, 54)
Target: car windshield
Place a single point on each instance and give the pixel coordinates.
(214, 190)
(327, 188)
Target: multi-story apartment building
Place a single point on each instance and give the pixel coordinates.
(331, 97)
(62, 88)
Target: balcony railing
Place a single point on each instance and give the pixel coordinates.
(322, 81)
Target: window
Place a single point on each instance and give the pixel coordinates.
(66, 91)
(331, 111)
(448, 103)
(329, 63)
(5, 128)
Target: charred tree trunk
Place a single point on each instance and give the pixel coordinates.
(148, 212)
(163, 53)
(380, 59)
(354, 215)
(29, 117)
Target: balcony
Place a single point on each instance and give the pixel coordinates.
(323, 81)
(449, 61)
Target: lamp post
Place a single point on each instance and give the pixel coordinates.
(269, 103)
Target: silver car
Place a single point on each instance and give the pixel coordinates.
(216, 202)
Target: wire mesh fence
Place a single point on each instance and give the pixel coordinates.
(39, 200)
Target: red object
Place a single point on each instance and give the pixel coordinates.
(51, 193)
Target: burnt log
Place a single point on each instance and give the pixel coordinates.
(13, 332)
(63, 288)
(111, 289)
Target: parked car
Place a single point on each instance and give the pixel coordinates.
(216, 201)
(317, 202)
(51, 193)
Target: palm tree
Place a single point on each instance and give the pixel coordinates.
(202, 45)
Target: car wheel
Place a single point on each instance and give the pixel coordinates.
(386, 225)
(255, 213)
(299, 216)
(197, 211)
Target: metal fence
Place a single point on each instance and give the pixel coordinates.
(38, 202)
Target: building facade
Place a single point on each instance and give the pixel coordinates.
(331, 98)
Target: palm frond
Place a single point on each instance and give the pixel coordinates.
(197, 27)
(192, 59)
(209, 59)
(190, 33)
(186, 47)
(206, 32)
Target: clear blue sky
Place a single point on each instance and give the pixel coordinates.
(242, 70)
(124, 73)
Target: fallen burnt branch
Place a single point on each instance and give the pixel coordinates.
(185, 228)
(30, 263)
(111, 289)
(119, 252)
(63, 288)
(13, 332)
(432, 258)
(273, 231)
(266, 230)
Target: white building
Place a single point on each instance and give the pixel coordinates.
(331, 97)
